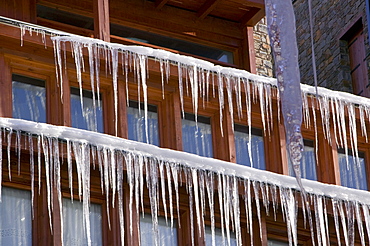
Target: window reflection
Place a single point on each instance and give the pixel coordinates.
(308, 162)
(352, 170)
(197, 136)
(29, 98)
(90, 117)
(136, 123)
(241, 136)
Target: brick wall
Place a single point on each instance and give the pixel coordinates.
(264, 62)
(331, 19)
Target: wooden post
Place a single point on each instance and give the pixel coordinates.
(101, 20)
(249, 53)
(6, 88)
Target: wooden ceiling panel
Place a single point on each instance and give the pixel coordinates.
(192, 5)
(230, 10)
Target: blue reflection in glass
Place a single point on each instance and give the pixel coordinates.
(197, 137)
(29, 100)
(241, 137)
(88, 117)
(136, 123)
(308, 163)
(353, 172)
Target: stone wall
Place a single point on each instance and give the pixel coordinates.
(264, 62)
(331, 20)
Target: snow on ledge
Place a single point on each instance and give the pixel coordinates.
(185, 159)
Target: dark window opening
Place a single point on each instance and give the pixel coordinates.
(65, 17)
(172, 43)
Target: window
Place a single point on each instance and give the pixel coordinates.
(136, 123)
(219, 240)
(352, 170)
(90, 117)
(355, 40)
(74, 232)
(197, 136)
(308, 163)
(172, 43)
(167, 236)
(276, 243)
(15, 227)
(61, 16)
(29, 100)
(241, 137)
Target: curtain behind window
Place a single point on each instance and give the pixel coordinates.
(136, 124)
(219, 240)
(197, 137)
(167, 236)
(86, 118)
(73, 224)
(353, 173)
(257, 149)
(308, 162)
(15, 217)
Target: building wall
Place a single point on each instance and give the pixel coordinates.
(264, 61)
(332, 18)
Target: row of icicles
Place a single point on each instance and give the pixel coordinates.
(199, 79)
(163, 179)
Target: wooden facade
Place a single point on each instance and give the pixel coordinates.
(222, 25)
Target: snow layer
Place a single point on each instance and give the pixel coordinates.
(114, 155)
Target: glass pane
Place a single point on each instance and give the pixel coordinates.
(308, 163)
(15, 227)
(219, 241)
(276, 243)
(90, 118)
(29, 99)
(74, 232)
(241, 147)
(136, 123)
(353, 172)
(197, 137)
(166, 234)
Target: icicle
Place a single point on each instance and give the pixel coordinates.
(336, 221)
(1, 159)
(281, 26)
(8, 151)
(365, 210)
(210, 194)
(120, 199)
(32, 169)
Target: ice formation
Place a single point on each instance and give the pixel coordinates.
(117, 157)
(282, 32)
(160, 170)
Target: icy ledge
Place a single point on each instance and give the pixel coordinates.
(163, 170)
(186, 159)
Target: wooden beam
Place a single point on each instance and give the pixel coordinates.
(6, 88)
(101, 19)
(160, 3)
(251, 17)
(249, 53)
(256, 3)
(206, 8)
